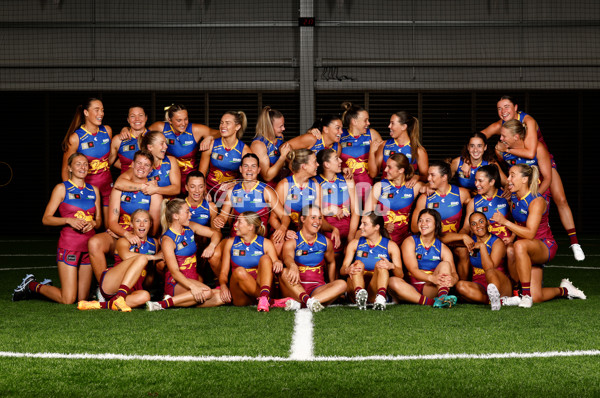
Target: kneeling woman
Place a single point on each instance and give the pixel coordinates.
(368, 262)
(429, 263)
(535, 244)
(254, 262)
(487, 260)
(183, 286)
(122, 285)
(305, 259)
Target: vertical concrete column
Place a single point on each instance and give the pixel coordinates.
(307, 58)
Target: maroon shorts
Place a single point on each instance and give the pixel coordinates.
(72, 258)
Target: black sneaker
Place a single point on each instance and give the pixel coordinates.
(22, 291)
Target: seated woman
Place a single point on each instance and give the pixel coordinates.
(306, 260)
(183, 285)
(78, 203)
(122, 286)
(535, 244)
(368, 262)
(430, 266)
(253, 262)
(489, 280)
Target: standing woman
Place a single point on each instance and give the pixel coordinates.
(393, 199)
(430, 266)
(475, 154)
(183, 138)
(508, 110)
(253, 262)
(221, 162)
(406, 139)
(535, 244)
(355, 143)
(126, 144)
(268, 145)
(329, 126)
(182, 283)
(78, 203)
(88, 136)
(368, 262)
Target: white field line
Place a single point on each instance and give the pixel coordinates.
(28, 255)
(302, 338)
(26, 268)
(240, 358)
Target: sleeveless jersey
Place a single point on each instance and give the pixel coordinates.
(78, 203)
(96, 148)
(428, 258)
(247, 255)
(395, 203)
(334, 193)
(127, 149)
(521, 117)
(320, 145)
(162, 174)
(371, 254)
(449, 206)
(130, 202)
(520, 213)
(272, 148)
(297, 197)
(183, 147)
(147, 247)
(185, 252)
(469, 182)
(250, 200)
(476, 259)
(200, 214)
(391, 147)
(489, 206)
(309, 255)
(224, 163)
(512, 160)
(355, 154)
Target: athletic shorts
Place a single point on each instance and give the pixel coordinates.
(72, 258)
(312, 279)
(418, 284)
(170, 282)
(552, 248)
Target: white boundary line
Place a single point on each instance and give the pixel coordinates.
(26, 268)
(302, 338)
(236, 358)
(28, 255)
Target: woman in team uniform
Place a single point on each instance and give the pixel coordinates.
(368, 262)
(165, 177)
(268, 145)
(126, 144)
(535, 244)
(202, 210)
(429, 263)
(489, 281)
(87, 135)
(508, 110)
(355, 142)
(78, 203)
(329, 126)
(122, 285)
(253, 262)
(221, 162)
(474, 155)
(183, 138)
(393, 199)
(183, 285)
(406, 139)
(306, 260)
(339, 201)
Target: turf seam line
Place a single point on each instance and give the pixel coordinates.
(241, 358)
(302, 338)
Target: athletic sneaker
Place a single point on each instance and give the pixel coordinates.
(445, 301)
(280, 303)
(572, 291)
(153, 306)
(512, 301)
(292, 305)
(494, 295)
(263, 304)
(361, 299)
(88, 305)
(99, 295)
(22, 291)
(46, 282)
(578, 252)
(526, 302)
(120, 305)
(314, 305)
(379, 303)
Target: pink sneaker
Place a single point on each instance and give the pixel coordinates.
(280, 303)
(263, 304)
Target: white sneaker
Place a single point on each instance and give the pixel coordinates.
(578, 252)
(572, 291)
(361, 299)
(99, 296)
(511, 301)
(292, 305)
(379, 303)
(153, 306)
(526, 302)
(166, 297)
(314, 305)
(494, 295)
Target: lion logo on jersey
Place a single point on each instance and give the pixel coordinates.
(185, 165)
(395, 218)
(84, 216)
(98, 166)
(358, 167)
(189, 263)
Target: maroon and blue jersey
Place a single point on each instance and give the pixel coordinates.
(224, 163)
(200, 214)
(320, 145)
(520, 213)
(148, 246)
(298, 197)
(185, 252)
(449, 206)
(310, 255)
(521, 117)
(130, 202)
(184, 147)
(96, 148)
(428, 258)
(489, 206)
(250, 200)
(334, 193)
(469, 182)
(79, 202)
(162, 174)
(391, 147)
(370, 254)
(394, 204)
(127, 150)
(512, 160)
(247, 255)
(272, 148)
(476, 257)
(355, 154)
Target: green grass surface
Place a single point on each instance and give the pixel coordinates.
(38, 326)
